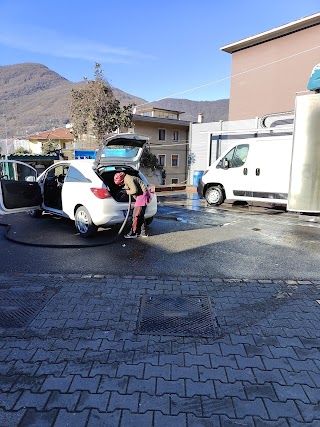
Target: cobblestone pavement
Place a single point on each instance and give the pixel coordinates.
(81, 363)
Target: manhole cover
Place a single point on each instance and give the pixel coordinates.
(177, 315)
(18, 307)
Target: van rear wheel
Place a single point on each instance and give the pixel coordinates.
(215, 195)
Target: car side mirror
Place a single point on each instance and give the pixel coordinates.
(225, 163)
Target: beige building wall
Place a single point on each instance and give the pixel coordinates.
(168, 147)
(261, 89)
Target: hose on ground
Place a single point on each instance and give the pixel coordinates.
(44, 245)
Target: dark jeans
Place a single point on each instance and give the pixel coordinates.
(138, 221)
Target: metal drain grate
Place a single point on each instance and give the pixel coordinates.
(18, 307)
(177, 315)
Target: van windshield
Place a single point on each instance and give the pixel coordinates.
(237, 156)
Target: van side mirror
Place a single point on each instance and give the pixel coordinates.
(225, 163)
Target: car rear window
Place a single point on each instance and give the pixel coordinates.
(118, 151)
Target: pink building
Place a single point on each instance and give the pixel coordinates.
(269, 68)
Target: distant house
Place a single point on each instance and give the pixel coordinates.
(270, 67)
(169, 140)
(62, 136)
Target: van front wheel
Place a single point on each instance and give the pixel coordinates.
(215, 195)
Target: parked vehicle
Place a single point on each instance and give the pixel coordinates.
(250, 171)
(274, 168)
(82, 190)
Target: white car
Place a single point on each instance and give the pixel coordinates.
(82, 190)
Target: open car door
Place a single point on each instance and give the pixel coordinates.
(19, 190)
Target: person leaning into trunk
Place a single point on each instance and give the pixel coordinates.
(142, 196)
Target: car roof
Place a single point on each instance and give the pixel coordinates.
(76, 163)
(88, 164)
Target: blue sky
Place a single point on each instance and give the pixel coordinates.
(151, 49)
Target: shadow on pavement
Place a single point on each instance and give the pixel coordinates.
(52, 231)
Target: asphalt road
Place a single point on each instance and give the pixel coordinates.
(187, 238)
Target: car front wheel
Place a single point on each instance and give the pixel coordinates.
(215, 195)
(84, 223)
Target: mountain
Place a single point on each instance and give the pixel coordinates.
(34, 98)
(212, 111)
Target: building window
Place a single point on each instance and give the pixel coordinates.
(174, 181)
(175, 135)
(162, 160)
(162, 134)
(174, 160)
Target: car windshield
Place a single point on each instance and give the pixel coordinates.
(120, 151)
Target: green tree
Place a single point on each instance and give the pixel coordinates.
(94, 109)
(50, 146)
(21, 150)
(149, 160)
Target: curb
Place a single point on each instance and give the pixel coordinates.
(73, 276)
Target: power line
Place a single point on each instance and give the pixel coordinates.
(231, 76)
(168, 145)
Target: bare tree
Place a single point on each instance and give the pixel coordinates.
(95, 110)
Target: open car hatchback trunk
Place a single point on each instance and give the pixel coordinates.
(107, 175)
(121, 149)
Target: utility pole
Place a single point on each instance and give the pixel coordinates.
(6, 129)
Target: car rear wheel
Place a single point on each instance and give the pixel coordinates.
(215, 195)
(84, 223)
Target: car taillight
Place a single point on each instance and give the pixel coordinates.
(101, 193)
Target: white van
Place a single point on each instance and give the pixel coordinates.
(253, 169)
(279, 167)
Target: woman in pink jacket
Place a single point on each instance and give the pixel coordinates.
(142, 196)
